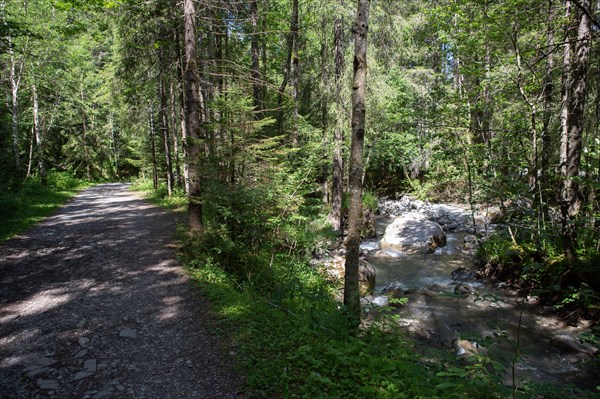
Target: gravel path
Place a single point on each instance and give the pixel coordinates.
(94, 305)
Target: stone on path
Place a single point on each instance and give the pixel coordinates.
(82, 374)
(47, 384)
(90, 365)
(128, 333)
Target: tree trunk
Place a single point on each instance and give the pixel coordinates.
(15, 74)
(38, 138)
(335, 216)
(175, 135)
(182, 113)
(164, 120)
(576, 63)
(324, 111)
(86, 151)
(255, 49)
(351, 283)
(295, 72)
(153, 148)
(292, 39)
(192, 119)
(547, 96)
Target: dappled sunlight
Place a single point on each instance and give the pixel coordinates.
(171, 308)
(103, 268)
(20, 336)
(40, 302)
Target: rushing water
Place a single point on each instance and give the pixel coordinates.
(494, 317)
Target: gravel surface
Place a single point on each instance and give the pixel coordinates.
(94, 305)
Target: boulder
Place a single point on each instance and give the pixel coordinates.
(366, 279)
(462, 347)
(413, 233)
(464, 289)
(463, 274)
(572, 344)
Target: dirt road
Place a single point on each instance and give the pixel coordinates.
(94, 305)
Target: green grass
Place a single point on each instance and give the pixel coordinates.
(177, 202)
(288, 338)
(30, 202)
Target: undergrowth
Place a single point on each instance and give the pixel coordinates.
(534, 262)
(286, 332)
(160, 197)
(28, 202)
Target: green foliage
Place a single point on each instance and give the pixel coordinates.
(291, 340)
(30, 202)
(160, 196)
(534, 261)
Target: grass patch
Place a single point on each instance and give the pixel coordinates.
(30, 202)
(160, 197)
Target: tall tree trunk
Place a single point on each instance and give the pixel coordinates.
(38, 137)
(359, 85)
(576, 63)
(192, 118)
(164, 120)
(547, 97)
(324, 111)
(182, 112)
(114, 146)
(86, 150)
(292, 40)
(255, 50)
(153, 148)
(175, 135)
(30, 153)
(295, 73)
(335, 216)
(15, 74)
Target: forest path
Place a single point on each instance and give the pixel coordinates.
(94, 305)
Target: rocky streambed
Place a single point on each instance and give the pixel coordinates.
(423, 252)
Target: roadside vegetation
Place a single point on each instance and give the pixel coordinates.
(27, 202)
(283, 328)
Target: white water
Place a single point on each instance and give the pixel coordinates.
(438, 315)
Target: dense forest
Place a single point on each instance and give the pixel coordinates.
(281, 122)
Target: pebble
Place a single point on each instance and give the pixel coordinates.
(44, 361)
(128, 333)
(82, 374)
(83, 341)
(90, 365)
(81, 353)
(34, 372)
(103, 394)
(47, 384)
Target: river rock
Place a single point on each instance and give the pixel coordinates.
(366, 279)
(413, 233)
(378, 300)
(464, 289)
(571, 344)
(463, 274)
(464, 348)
